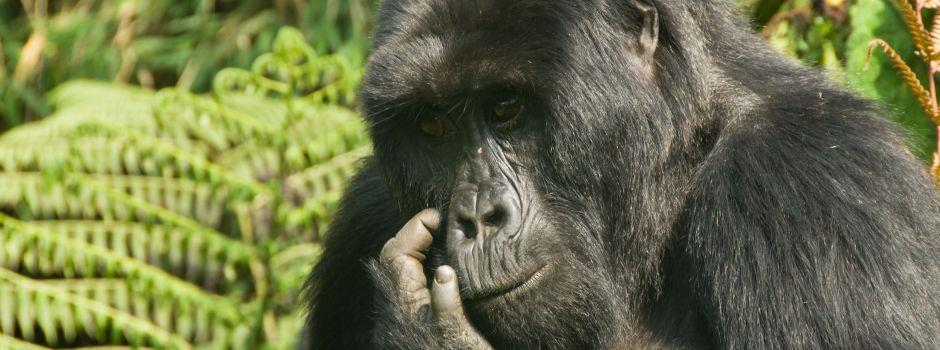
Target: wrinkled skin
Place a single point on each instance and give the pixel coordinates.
(440, 305)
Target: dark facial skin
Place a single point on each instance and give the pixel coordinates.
(468, 139)
(475, 154)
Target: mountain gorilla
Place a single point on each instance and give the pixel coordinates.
(620, 174)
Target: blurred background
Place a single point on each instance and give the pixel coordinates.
(167, 167)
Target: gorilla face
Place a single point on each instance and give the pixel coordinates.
(468, 117)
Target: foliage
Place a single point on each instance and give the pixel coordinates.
(173, 220)
(154, 43)
(876, 78)
(835, 35)
(926, 48)
(814, 31)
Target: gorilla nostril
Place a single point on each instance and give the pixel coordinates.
(467, 227)
(495, 218)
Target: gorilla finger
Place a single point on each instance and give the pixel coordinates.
(414, 238)
(416, 235)
(410, 275)
(447, 312)
(404, 285)
(445, 298)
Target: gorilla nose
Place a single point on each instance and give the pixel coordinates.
(478, 211)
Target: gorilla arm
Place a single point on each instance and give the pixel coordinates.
(437, 313)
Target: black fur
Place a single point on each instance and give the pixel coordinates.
(703, 190)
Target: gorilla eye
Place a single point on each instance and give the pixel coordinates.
(508, 109)
(433, 126)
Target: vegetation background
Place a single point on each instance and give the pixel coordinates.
(181, 158)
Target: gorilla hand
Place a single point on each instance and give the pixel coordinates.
(435, 314)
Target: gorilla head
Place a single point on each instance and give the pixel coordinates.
(499, 113)
(623, 173)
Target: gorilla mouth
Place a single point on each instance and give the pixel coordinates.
(508, 287)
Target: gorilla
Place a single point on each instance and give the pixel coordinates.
(647, 174)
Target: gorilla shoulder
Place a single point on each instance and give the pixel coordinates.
(813, 194)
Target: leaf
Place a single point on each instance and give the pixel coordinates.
(876, 19)
(109, 319)
(128, 214)
(913, 83)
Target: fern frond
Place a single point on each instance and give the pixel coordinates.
(91, 261)
(264, 110)
(293, 69)
(291, 266)
(93, 95)
(49, 309)
(96, 199)
(909, 77)
(919, 34)
(252, 159)
(311, 217)
(233, 251)
(935, 36)
(29, 194)
(317, 191)
(181, 162)
(115, 293)
(121, 198)
(89, 154)
(198, 200)
(215, 124)
(158, 245)
(10, 343)
(118, 294)
(84, 102)
(324, 177)
(201, 201)
(195, 215)
(318, 136)
(326, 134)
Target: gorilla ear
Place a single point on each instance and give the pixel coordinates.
(648, 35)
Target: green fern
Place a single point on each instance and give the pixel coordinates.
(38, 305)
(134, 218)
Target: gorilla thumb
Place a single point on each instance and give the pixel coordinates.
(448, 313)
